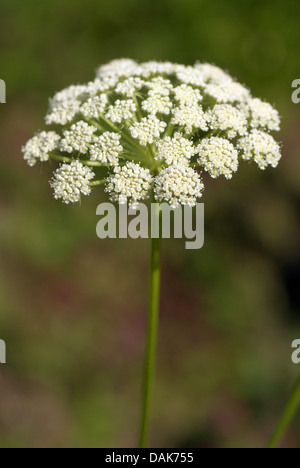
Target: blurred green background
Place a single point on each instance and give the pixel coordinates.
(73, 308)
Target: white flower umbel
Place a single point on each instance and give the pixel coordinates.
(103, 85)
(157, 104)
(70, 181)
(218, 157)
(78, 138)
(227, 92)
(148, 130)
(129, 87)
(117, 68)
(63, 113)
(186, 95)
(70, 94)
(94, 107)
(212, 74)
(121, 111)
(106, 148)
(156, 120)
(64, 106)
(159, 86)
(129, 184)
(228, 119)
(190, 118)
(148, 69)
(262, 115)
(262, 148)
(190, 75)
(176, 150)
(178, 185)
(39, 147)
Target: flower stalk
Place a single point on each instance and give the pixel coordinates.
(152, 333)
(286, 417)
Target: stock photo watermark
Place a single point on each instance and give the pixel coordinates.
(296, 93)
(296, 353)
(2, 352)
(2, 92)
(123, 222)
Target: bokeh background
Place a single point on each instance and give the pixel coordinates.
(73, 308)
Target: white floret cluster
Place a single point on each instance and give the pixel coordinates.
(129, 184)
(218, 157)
(186, 95)
(151, 129)
(262, 115)
(78, 138)
(39, 147)
(175, 150)
(106, 148)
(94, 107)
(177, 185)
(72, 180)
(190, 118)
(121, 111)
(262, 148)
(148, 130)
(229, 119)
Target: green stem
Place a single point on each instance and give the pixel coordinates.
(286, 417)
(169, 130)
(97, 182)
(57, 157)
(139, 113)
(153, 318)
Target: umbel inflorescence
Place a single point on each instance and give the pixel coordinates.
(154, 128)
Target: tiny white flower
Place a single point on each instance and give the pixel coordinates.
(39, 147)
(70, 181)
(129, 184)
(148, 130)
(78, 138)
(218, 157)
(262, 148)
(178, 185)
(106, 148)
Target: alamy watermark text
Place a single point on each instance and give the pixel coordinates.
(296, 352)
(2, 352)
(181, 223)
(2, 92)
